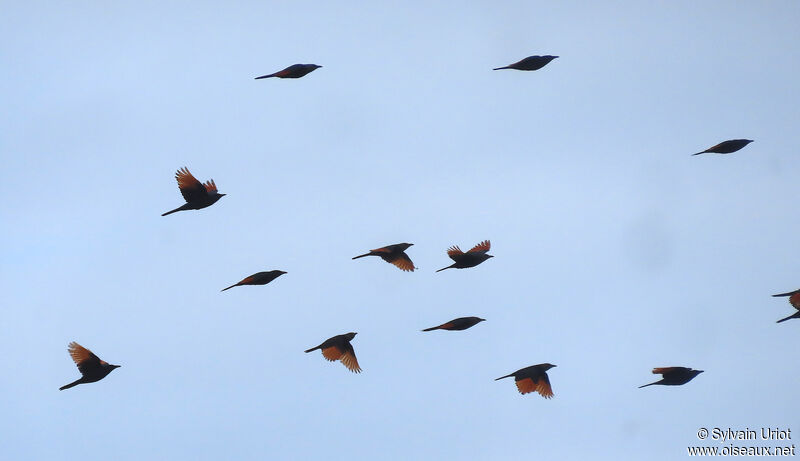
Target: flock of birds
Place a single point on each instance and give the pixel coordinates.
(339, 348)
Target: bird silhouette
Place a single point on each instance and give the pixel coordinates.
(196, 194)
(530, 63)
(461, 323)
(293, 71)
(339, 348)
(673, 376)
(394, 254)
(91, 367)
(533, 379)
(726, 147)
(794, 300)
(472, 258)
(259, 278)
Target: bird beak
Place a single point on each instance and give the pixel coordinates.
(490, 256)
(699, 371)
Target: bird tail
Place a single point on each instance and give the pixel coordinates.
(361, 256)
(656, 382)
(312, 349)
(72, 384)
(265, 76)
(234, 285)
(432, 328)
(793, 316)
(506, 376)
(700, 153)
(501, 68)
(173, 211)
(784, 294)
(448, 267)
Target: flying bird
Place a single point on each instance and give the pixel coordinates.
(794, 300)
(293, 71)
(530, 63)
(339, 348)
(91, 367)
(259, 278)
(674, 376)
(461, 323)
(394, 254)
(196, 194)
(727, 147)
(472, 258)
(533, 379)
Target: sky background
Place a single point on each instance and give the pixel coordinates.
(615, 250)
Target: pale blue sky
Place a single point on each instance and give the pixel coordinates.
(615, 250)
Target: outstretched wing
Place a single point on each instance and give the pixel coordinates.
(482, 247)
(210, 186)
(402, 261)
(83, 358)
(540, 385)
(454, 252)
(191, 189)
(665, 370)
(349, 359)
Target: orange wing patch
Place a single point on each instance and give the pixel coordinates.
(794, 300)
(380, 250)
(210, 186)
(454, 250)
(349, 360)
(446, 326)
(528, 385)
(482, 247)
(246, 281)
(79, 353)
(332, 353)
(661, 371)
(403, 262)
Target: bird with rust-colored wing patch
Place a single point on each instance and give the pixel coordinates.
(91, 367)
(533, 379)
(293, 71)
(461, 323)
(471, 258)
(339, 348)
(673, 376)
(196, 194)
(393, 254)
(530, 63)
(794, 300)
(727, 147)
(259, 278)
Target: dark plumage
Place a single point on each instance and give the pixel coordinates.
(471, 258)
(393, 254)
(339, 348)
(293, 71)
(533, 379)
(91, 367)
(461, 323)
(726, 147)
(259, 278)
(674, 376)
(530, 63)
(794, 300)
(196, 194)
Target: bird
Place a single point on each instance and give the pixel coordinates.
(259, 278)
(472, 258)
(673, 376)
(293, 71)
(794, 300)
(91, 367)
(530, 63)
(533, 379)
(196, 194)
(339, 348)
(727, 147)
(394, 254)
(461, 323)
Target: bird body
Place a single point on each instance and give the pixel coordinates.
(794, 300)
(461, 323)
(727, 147)
(196, 194)
(293, 71)
(339, 348)
(259, 278)
(533, 379)
(530, 63)
(673, 376)
(91, 367)
(471, 258)
(393, 254)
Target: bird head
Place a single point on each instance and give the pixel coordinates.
(406, 246)
(546, 366)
